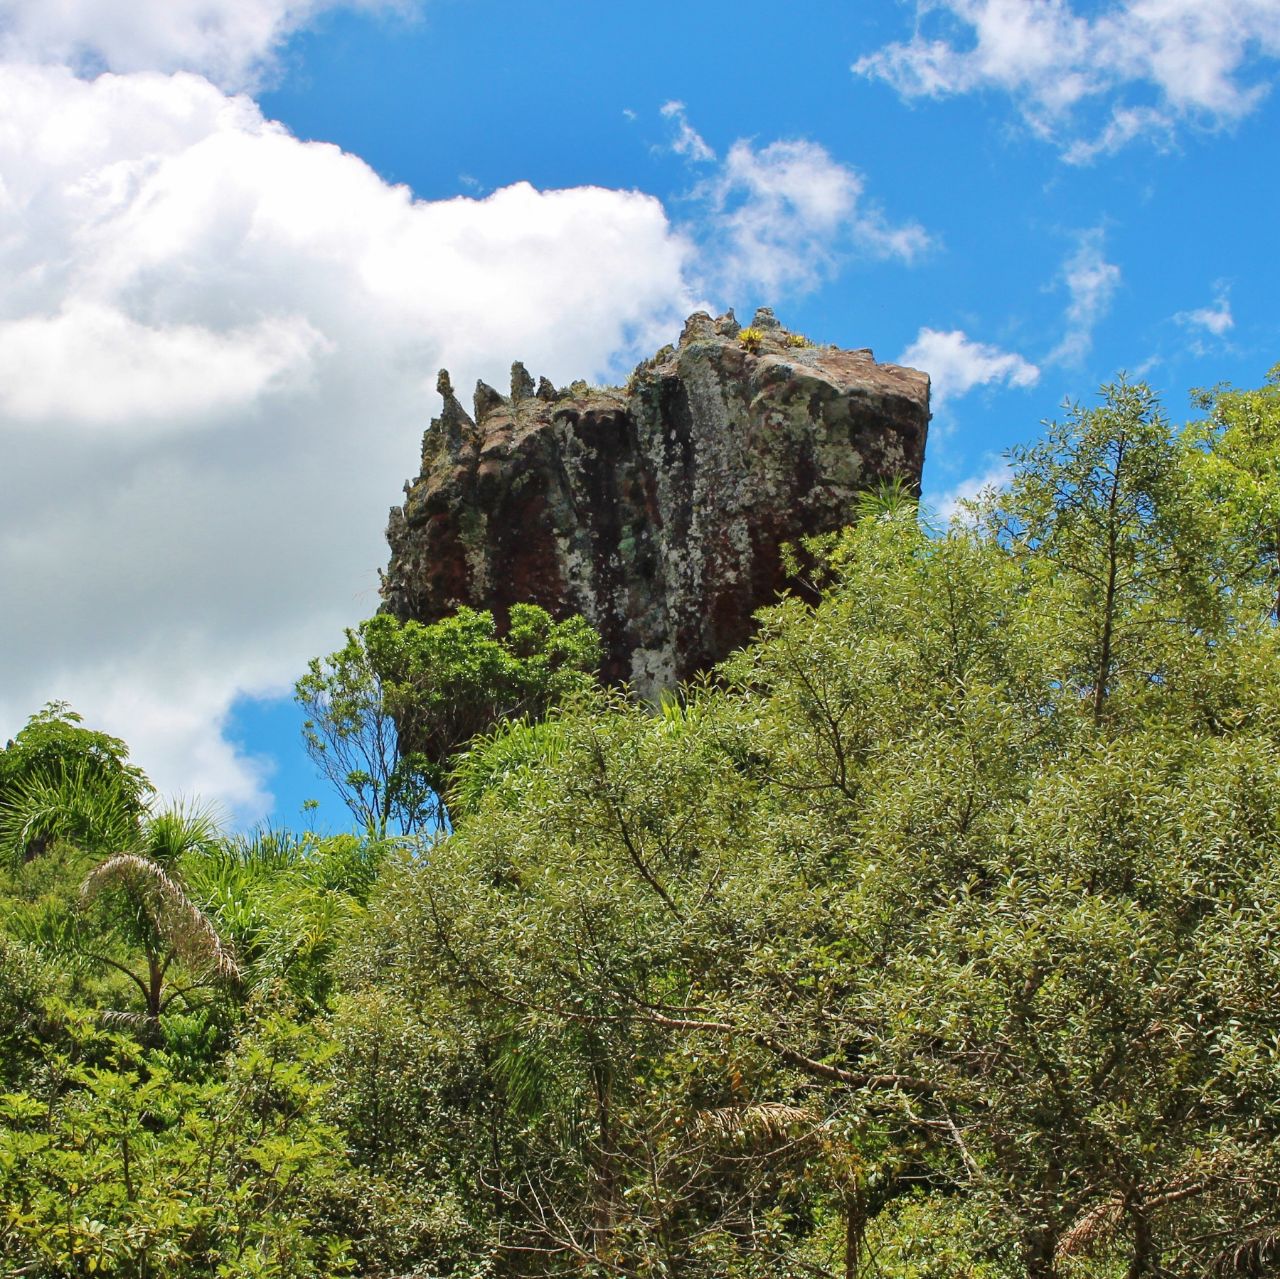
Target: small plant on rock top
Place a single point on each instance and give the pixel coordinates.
(750, 339)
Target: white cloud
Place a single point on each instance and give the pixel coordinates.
(230, 41)
(1091, 282)
(956, 364)
(688, 142)
(951, 502)
(783, 217)
(1216, 319)
(217, 345)
(134, 377)
(1095, 82)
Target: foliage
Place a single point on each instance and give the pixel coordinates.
(61, 781)
(750, 338)
(122, 1167)
(283, 902)
(54, 741)
(935, 935)
(1237, 479)
(1102, 509)
(387, 712)
(24, 985)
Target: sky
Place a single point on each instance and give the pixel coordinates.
(238, 238)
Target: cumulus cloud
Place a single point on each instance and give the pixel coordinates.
(956, 364)
(135, 377)
(782, 217)
(1092, 82)
(217, 345)
(1091, 282)
(230, 41)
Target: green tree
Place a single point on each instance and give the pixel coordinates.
(120, 1165)
(1237, 479)
(132, 901)
(1098, 510)
(147, 908)
(387, 712)
(60, 779)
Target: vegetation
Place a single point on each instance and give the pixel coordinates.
(934, 934)
(389, 711)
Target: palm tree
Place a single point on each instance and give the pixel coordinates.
(74, 805)
(138, 881)
(155, 914)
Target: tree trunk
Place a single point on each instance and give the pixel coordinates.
(1039, 1251)
(1102, 677)
(1140, 1263)
(155, 987)
(855, 1228)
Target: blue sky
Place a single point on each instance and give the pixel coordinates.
(241, 236)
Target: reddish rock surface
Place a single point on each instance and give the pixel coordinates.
(659, 510)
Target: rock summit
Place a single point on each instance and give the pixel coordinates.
(658, 510)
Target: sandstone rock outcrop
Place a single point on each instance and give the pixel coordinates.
(657, 510)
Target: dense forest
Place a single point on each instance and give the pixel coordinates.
(935, 933)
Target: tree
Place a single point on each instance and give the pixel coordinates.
(122, 1165)
(135, 875)
(60, 779)
(1095, 507)
(149, 909)
(1237, 477)
(387, 712)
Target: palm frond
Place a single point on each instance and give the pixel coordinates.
(762, 1121)
(1095, 1226)
(70, 805)
(265, 851)
(113, 1017)
(182, 924)
(1252, 1256)
(184, 827)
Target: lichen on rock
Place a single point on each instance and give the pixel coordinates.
(657, 510)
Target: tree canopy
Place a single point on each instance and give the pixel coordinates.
(934, 934)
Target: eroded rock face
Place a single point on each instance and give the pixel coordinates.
(657, 510)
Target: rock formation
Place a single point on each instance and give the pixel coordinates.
(657, 510)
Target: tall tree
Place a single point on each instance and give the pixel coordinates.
(136, 876)
(1095, 507)
(1237, 479)
(149, 909)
